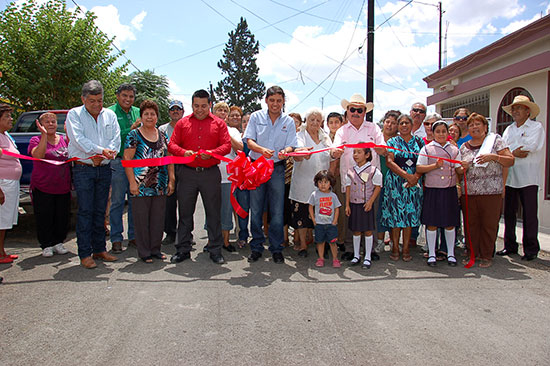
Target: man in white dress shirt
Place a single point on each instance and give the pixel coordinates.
(525, 138)
(356, 130)
(94, 137)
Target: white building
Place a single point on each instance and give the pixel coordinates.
(490, 78)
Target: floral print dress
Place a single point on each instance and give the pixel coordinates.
(401, 207)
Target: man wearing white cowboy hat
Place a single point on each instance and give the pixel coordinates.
(355, 130)
(525, 137)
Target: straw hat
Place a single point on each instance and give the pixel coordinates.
(357, 99)
(534, 109)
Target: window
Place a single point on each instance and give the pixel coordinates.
(478, 103)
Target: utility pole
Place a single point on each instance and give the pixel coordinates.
(370, 55)
(212, 97)
(440, 8)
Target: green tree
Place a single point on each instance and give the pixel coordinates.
(242, 86)
(153, 87)
(47, 53)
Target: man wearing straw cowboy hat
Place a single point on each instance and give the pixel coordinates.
(356, 130)
(525, 137)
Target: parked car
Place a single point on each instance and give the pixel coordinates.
(22, 132)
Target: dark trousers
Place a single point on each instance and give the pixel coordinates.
(148, 215)
(482, 224)
(51, 212)
(529, 201)
(208, 184)
(170, 216)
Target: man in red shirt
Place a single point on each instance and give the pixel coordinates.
(199, 131)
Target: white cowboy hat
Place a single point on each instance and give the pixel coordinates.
(357, 99)
(534, 109)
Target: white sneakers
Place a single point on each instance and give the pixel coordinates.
(47, 252)
(58, 248)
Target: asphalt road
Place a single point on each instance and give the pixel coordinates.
(55, 312)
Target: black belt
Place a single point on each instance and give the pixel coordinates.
(199, 168)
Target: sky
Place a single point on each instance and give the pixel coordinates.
(314, 49)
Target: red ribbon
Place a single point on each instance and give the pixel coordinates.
(26, 157)
(243, 173)
(247, 175)
(363, 145)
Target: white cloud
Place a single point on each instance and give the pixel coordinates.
(108, 21)
(137, 21)
(518, 24)
(176, 41)
(173, 87)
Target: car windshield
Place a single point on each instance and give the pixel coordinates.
(27, 122)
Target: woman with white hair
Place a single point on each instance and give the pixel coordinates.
(312, 137)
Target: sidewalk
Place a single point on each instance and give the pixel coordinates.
(544, 239)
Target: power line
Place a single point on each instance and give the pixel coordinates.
(399, 40)
(305, 12)
(114, 45)
(292, 67)
(347, 49)
(217, 12)
(191, 55)
(291, 36)
(231, 22)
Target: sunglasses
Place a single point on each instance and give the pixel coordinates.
(428, 123)
(461, 118)
(176, 109)
(358, 110)
(419, 110)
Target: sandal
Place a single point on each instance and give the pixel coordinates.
(432, 263)
(407, 257)
(394, 256)
(485, 263)
(158, 256)
(440, 256)
(366, 264)
(148, 259)
(355, 261)
(450, 262)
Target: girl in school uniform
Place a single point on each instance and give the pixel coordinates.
(440, 207)
(363, 183)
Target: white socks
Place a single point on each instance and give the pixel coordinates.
(368, 247)
(357, 246)
(431, 236)
(450, 239)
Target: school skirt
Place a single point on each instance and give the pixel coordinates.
(440, 208)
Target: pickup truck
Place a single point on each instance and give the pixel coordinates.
(22, 132)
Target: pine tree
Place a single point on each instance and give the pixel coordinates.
(242, 86)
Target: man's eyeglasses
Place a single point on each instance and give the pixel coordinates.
(418, 110)
(461, 118)
(175, 109)
(358, 110)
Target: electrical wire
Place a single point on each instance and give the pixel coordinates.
(306, 11)
(347, 49)
(112, 43)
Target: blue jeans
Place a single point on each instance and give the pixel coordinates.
(92, 192)
(274, 189)
(226, 209)
(119, 190)
(243, 197)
